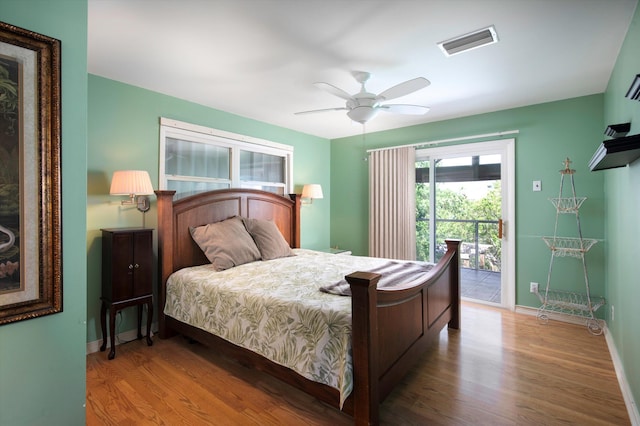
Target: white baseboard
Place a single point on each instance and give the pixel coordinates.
(124, 337)
(632, 408)
(557, 316)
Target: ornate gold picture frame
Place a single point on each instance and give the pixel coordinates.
(30, 188)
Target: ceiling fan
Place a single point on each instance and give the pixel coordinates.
(363, 106)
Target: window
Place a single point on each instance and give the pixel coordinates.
(196, 159)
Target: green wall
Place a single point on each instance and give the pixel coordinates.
(549, 133)
(124, 134)
(42, 360)
(622, 220)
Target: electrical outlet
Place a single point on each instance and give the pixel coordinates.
(537, 185)
(613, 314)
(533, 287)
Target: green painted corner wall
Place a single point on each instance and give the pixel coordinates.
(548, 133)
(42, 360)
(124, 134)
(622, 223)
(109, 126)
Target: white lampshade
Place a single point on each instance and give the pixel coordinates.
(312, 190)
(131, 182)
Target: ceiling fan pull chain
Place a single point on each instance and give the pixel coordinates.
(364, 143)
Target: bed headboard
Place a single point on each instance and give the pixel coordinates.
(176, 248)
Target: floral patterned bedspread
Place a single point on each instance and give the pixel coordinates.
(275, 308)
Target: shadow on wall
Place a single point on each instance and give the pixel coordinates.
(97, 183)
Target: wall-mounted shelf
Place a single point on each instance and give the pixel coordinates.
(634, 89)
(617, 130)
(616, 153)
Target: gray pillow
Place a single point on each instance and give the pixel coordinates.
(268, 238)
(226, 244)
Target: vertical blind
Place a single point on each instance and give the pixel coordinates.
(392, 221)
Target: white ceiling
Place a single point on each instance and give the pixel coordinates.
(260, 58)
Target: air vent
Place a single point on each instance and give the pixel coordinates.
(473, 40)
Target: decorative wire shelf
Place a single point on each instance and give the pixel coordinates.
(565, 246)
(564, 302)
(567, 205)
(569, 303)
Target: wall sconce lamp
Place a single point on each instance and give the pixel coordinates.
(311, 191)
(134, 183)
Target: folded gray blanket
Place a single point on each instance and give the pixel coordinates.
(392, 274)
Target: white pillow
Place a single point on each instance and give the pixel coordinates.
(226, 244)
(268, 238)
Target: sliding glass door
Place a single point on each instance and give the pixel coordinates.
(463, 192)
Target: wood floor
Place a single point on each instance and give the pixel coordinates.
(501, 368)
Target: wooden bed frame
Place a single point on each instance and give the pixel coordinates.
(391, 329)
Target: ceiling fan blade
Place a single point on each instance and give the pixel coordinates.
(403, 89)
(336, 91)
(320, 110)
(405, 109)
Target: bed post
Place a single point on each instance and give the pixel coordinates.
(165, 252)
(364, 318)
(455, 283)
(297, 200)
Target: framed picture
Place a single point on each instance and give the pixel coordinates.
(30, 188)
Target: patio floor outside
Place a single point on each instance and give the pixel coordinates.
(480, 285)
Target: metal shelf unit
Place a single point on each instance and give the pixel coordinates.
(581, 305)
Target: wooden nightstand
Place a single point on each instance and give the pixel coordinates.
(334, 250)
(127, 262)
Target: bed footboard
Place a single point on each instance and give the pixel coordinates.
(393, 328)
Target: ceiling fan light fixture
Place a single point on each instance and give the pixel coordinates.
(362, 114)
(364, 106)
(470, 41)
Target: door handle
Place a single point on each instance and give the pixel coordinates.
(499, 229)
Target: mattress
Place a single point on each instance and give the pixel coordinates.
(276, 309)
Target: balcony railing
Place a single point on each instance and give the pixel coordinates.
(471, 252)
